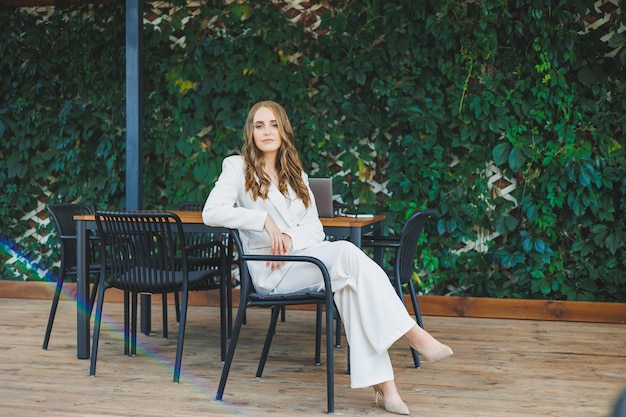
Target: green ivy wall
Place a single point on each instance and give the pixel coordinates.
(407, 104)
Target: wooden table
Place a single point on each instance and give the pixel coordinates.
(352, 228)
(338, 227)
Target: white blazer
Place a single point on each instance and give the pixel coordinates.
(229, 205)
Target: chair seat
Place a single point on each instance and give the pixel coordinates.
(195, 277)
(294, 296)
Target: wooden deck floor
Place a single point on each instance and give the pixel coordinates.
(500, 368)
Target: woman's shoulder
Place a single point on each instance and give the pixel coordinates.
(233, 160)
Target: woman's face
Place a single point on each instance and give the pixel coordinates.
(265, 131)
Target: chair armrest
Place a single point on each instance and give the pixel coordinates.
(293, 258)
(245, 275)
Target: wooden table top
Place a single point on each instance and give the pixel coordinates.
(338, 221)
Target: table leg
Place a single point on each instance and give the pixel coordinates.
(83, 310)
(378, 252)
(355, 236)
(145, 308)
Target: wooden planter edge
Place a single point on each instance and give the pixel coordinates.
(431, 305)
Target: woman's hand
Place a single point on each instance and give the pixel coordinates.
(281, 242)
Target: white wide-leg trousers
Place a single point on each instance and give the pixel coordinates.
(373, 315)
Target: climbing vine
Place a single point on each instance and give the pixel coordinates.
(404, 103)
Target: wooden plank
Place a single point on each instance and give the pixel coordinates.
(523, 309)
(431, 305)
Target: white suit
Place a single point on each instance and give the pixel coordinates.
(372, 313)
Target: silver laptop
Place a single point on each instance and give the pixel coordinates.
(323, 193)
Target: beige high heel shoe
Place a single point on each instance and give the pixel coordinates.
(443, 352)
(427, 346)
(396, 407)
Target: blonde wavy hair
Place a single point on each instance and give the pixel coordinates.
(288, 164)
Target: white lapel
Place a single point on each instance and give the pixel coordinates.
(278, 201)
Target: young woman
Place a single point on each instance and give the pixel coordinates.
(264, 193)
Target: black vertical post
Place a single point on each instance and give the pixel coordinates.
(134, 104)
(134, 123)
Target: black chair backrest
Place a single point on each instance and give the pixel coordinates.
(408, 244)
(201, 238)
(143, 250)
(247, 287)
(63, 218)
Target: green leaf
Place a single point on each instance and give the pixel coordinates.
(583, 178)
(613, 243)
(501, 152)
(510, 222)
(516, 158)
(16, 168)
(536, 273)
(360, 78)
(540, 246)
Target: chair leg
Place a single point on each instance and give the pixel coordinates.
(226, 323)
(94, 292)
(318, 335)
(133, 329)
(126, 324)
(164, 314)
(177, 306)
(330, 361)
(348, 361)
(338, 337)
(416, 358)
(181, 335)
(53, 310)
(416, 308)
(96, 331)
(268, 340)
(418, 318)
(241, 314)
(223, 317)
(398, 286)
(229, 304)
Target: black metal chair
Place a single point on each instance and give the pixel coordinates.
(202, 254)
(249, 297)
(406, 246)
(145, 252)
(63, 218)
